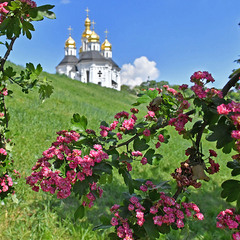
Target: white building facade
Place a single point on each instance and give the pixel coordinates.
(95, 64)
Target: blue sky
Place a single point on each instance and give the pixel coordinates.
(164, 39)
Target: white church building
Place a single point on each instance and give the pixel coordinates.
(95, 64)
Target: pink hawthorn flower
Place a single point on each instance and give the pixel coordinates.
(3, 151)
(136, 153)
(119, 136)
(236, 236)
(199, 216)
(114, 222)
(146, 132)
(223, 109)
(144, 161)
(161, 138)
(235, 134)
(158, 144)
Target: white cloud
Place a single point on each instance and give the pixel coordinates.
(138, 72)
(65, 1)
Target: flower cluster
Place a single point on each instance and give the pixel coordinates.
(198, 88)
(5, 183)
(94, 190)
(148, 185)
(168, 211)
(233, 110)
(31, 3)
(184, 176)
(3, 11)
(123, 229)
(229, 219)
(165, 211)
(179, 122)
(78, 167)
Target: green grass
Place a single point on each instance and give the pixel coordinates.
(33, 126)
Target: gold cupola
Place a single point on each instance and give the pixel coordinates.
(106, 45)
(93, 37)
(87, 32)
(70, 42)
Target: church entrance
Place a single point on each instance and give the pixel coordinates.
(87, 76)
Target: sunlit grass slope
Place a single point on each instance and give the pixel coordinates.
(33, 126)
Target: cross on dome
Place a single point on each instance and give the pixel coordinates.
(87, 10)
(106, 32)
(93, 23)
(70, 30)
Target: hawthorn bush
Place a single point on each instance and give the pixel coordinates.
(82, 160)
(15, 20)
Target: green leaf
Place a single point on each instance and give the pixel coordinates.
(235, 165)
(81, 187)
(127, 179)
(140, 144)
(196, 127)
(79, 122)
(144, 99)
(9, 72)
(79, 213)
(38, 13)
(152, 94)
(231, 190)
(102, 167)
(45, 91)
(149, 155)
(150, 228)
(221, 133)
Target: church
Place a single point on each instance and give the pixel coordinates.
(95, 64)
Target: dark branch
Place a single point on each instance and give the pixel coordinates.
(4, 59)
(231, 83)
(179, 190)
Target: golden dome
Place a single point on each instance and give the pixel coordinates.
(70, 42)
(87, 32)
(106, 45)
(80, 49)
(93, 37)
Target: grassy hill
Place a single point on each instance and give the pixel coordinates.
(33, 126)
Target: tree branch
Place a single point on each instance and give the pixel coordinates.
(231, 83)
(4, 59)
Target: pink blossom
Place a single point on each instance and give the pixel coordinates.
(180, 223)
(146, 132)
(236, 236)
(144, 161)
(129, 124)
(158, 144)
(235, 134)
(121, 114)
(104, 133)
(223, 109)
(119, 136)
(136, 153)
(199, 216)
(114, 221)
(3, 151)
(144, 188)
(130, 207)
(161, 138)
